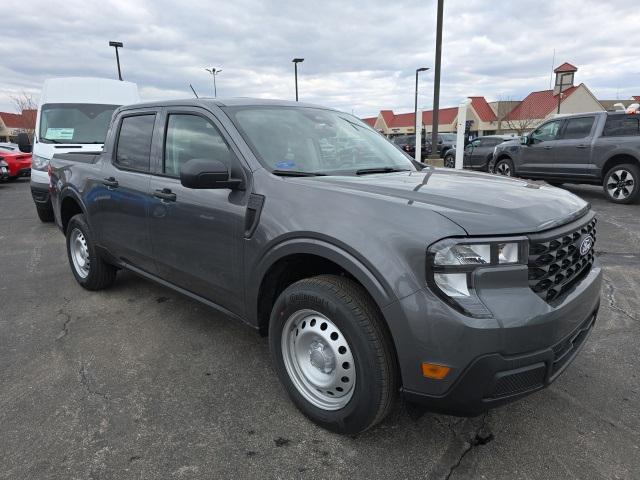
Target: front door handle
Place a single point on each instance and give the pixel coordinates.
(110, 182)
(582, 146)
(165, 194)
(548, 147)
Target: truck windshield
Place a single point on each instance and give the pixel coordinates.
(314, 140)
(74, 122)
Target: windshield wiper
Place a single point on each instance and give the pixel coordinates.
(297, 173)
(49, 140)
(367, 171)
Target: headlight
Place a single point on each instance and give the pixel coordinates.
(452, 262)
(39, 163)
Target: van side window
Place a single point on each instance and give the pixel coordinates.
(189, 137)
(622, 126)
(134, 142)
(578, 127)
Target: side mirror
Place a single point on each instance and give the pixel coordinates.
(524, 140)
(24, 144)
(207, 174)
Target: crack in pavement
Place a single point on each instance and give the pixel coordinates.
(65, 324)
(471, 438)
(610, 294)
(84, 380)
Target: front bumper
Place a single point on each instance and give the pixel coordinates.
(523, 348)
(40, 194)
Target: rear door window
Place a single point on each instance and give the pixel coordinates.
(133, 151)
(622, 126)
(578, 127)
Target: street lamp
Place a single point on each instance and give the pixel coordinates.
(117, 45)
(415, 109)
(296, 61)
(214, 72)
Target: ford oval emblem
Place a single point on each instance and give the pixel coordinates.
(585, 246)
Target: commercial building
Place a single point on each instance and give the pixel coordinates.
(505, 116)
(11, 124)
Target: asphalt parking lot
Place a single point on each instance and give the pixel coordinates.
(140, 382)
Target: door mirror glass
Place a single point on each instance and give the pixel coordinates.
(524, 140)
(207, 174)
(24, 144)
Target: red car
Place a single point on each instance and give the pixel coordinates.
(19, 163)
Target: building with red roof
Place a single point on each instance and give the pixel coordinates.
(13, 123)
(487, 118)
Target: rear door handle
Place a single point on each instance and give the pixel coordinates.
(110, 182)
(548, 147)
(165, 194)
(582, 146)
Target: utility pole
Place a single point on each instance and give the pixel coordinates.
(434, 158)
(214, 73)
(296, 61)
(117, 45)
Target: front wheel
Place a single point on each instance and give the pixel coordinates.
(333, 354)
(622, 184)
(504, 167)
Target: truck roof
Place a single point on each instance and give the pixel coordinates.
(224, 102)
(88, 90)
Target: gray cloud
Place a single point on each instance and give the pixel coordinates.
(359, 56)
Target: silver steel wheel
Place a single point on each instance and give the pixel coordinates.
(503, 168)
(79, 253)
(620, 184)
(318, 359)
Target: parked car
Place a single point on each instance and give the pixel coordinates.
(460, 290)
(408, 144)
(73, 116)
(446, 141)
(19, 163)
(478, 153)
(4, 170)
(601, 148)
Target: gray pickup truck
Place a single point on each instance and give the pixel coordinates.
(601, 148)
(460, 290)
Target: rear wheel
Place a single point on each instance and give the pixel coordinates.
(90, 270)
(332, 353)
(504, 167)
(45, 213)
(450, 161)
(622, 183)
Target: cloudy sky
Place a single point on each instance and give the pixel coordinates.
(359, 56)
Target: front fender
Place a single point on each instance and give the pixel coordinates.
(350, 261)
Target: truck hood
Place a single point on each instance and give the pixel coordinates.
(481, 204)
(48, 150)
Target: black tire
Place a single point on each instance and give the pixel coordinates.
(504, 167)
(622, 184)
(351, 309)
(45, 213)
(450, 161)
(12, 179)
(100, 274)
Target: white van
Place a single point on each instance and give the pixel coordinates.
(73, 116)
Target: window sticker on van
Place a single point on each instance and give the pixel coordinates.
(59, 133)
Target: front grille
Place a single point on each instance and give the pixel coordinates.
(555, 261)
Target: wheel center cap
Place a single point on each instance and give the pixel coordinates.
(321, 357)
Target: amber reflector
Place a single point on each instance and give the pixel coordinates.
(435, 371)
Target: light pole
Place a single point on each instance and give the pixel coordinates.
(436, 86)
(296, 61)
(415, 109)
(117, 45)
(560, 88)
(214, 72)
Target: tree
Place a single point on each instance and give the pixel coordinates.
(522, 124)
(26, 105)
